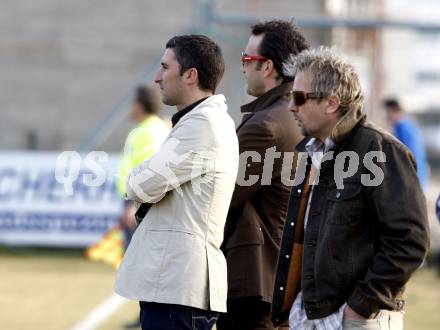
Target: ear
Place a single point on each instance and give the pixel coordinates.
(191, 76)
(333, 103)
(268, 68)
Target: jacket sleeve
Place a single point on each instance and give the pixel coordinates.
(399, 206)
(254, 140)
(186, 154)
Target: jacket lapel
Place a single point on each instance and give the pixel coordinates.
(246, 117)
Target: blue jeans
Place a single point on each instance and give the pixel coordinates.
(156, 316)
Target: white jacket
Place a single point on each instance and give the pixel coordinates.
(174, 256)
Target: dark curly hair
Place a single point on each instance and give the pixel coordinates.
(281, 39)
(201, 53)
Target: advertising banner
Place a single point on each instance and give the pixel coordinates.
(57, 199)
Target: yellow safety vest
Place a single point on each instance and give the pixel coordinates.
(140, 145)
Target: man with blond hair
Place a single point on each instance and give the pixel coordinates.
(357, 227)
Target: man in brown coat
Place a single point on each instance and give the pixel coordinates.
(259, 204)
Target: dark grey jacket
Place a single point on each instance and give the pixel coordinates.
(362, 243)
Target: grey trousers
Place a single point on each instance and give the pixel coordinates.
(385, 320)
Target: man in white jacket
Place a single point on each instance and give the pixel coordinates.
(174, 265)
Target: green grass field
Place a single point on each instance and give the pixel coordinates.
(54, 291)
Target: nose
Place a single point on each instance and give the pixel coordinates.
(158, 77)
(292, 106)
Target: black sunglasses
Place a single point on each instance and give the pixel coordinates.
(300, 97)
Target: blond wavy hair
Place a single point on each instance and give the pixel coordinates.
(331, 74)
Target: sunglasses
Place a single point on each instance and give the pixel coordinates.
(249, 58)
(300, 97)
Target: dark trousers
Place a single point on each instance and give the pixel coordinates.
(249, 313)
(175, 317)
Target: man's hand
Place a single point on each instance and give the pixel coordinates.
(351, 314)
(128, 219)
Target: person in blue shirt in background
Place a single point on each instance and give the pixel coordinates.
(407, 131)
(437, 212)
(437, 208)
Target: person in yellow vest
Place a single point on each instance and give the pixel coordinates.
(141, 143)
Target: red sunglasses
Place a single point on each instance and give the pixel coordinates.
(249, 58)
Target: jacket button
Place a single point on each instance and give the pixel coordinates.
(309, 277)
(299, 191)
(281, 288)
(292, 223)
(338, 194)
(287, 256)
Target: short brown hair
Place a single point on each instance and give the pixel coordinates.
(203, 54)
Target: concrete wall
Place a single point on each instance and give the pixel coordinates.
(65, 65)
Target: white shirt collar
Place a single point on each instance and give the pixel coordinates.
(316, 150)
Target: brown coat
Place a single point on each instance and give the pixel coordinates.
(256, 217)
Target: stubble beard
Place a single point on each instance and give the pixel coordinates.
(167, 100)
(304, 131)
(251, 91)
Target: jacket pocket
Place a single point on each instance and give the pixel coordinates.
(344, 205)
(245, 235)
